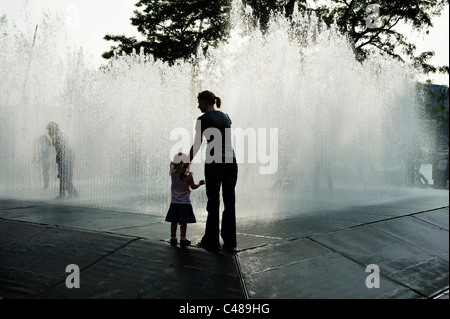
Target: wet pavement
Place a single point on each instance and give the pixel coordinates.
(332, 253)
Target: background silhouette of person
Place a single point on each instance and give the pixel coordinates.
(64, 159)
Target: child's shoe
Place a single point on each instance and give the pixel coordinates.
(185, 242)
(173, 241)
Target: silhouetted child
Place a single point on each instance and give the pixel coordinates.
(180, 211)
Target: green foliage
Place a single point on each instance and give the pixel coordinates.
(379, 34)
(432, 104)
(174, 29)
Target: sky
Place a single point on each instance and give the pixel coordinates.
(88, 21)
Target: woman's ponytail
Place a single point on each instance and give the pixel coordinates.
(218, 102)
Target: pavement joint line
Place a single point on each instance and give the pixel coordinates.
(430, 223)
(440, 293)
(28, 222)
(291, 263)
(393, 217)
(251, 248)
(47, 227)
(22, 207)
(134, 226)
(56, 203)
(241, 276)
(260, 236)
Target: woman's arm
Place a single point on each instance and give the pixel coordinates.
(196, 146)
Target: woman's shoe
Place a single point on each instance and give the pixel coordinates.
(202, 245)
(229, 248)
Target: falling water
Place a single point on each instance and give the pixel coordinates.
(341, 130)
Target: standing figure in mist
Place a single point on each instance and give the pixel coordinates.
(44, 158)
(221, 170)
(64, 158)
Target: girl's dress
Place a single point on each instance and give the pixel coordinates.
(180, 210)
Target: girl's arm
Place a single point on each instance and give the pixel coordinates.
(193, 185)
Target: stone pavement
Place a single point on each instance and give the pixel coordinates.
(322, 254)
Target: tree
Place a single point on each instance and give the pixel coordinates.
(371, 27)
(432, 104)
(174, 29)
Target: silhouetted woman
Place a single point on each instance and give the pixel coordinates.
(221, 170)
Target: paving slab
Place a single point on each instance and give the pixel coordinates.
(293, 228)
(112, 266)
(147, 269)
(421, 201)
(279, 255)
(315, 254)
(41, 260)
(13, 233)
(438, 217)
(417, 233)
(397, 256)
(428, 278)
(368, 245)
(6, 204)
(78, 217)
(324, 276)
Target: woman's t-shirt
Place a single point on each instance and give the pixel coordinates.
(216, 127)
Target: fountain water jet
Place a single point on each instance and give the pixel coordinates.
(345, 129)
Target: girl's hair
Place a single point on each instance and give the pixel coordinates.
(210, 97)
(181, 164)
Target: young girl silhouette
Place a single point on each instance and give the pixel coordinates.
(180, 211)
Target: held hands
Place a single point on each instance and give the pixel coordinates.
(201, 182)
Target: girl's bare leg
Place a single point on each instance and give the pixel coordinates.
(173, 230)
(173, 234)
(184, 241)
(183, 228)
